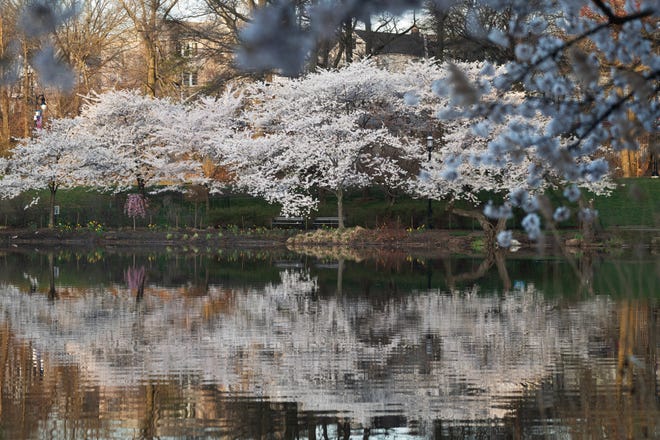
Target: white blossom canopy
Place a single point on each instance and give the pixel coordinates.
(322, 131)
(590, 69)
(124, 128)
(54, 158)
(485, 153)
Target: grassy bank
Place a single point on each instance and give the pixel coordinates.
(635, 203)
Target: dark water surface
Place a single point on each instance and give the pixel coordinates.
(257, 344)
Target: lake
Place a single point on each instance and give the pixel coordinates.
(105, 344)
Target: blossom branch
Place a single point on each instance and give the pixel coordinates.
(611, 109)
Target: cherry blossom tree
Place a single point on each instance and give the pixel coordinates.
(606, 97)
(590, 70)
(113, 145)
(206, 127)
(334, 130)
(589, 67)
(477, 155)
(123, 127)
(321, 132)
(55, 158)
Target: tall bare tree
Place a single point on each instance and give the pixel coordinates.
(462, 30)
(149, 18)
(17, 78)
(225, 19)
(92, 43)
(5, 78)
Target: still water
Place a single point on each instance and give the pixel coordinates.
(258, 344)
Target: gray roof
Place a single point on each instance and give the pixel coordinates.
(388, 43)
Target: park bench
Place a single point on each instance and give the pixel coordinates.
(294, 222)
(320, 222)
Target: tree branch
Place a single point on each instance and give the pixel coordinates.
(618, 20)
(615, 20)
(599, 120)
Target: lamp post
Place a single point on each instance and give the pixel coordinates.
(429, 213)
(39, 113)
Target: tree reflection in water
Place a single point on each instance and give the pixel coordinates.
(135, 278)
(284, 356)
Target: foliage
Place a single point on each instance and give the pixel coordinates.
(94, 226)
(462, 162)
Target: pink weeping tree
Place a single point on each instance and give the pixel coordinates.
(136, 206)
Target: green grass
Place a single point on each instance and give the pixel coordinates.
(635, 203)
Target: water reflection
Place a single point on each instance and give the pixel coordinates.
(253, 345)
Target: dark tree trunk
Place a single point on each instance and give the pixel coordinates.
(141, 184)
(348, 29)
(439, 19)
(369, 38)
(52, 186)
(340, 208)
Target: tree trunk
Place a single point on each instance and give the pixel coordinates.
(340, 207)
(27, 95)
(325, 54)
(4, 99)
(440, 18)
(152, 68)
(644, 155)
(349, 41)
(628, 163)
(587, 225)
(51, 215)
(5, 134)
(141, 184)
(369, 40)
(340, 51)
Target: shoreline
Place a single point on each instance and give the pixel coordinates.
(426, 242)
(415, 242)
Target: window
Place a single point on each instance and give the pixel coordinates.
(189, 79)
(188, 49)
